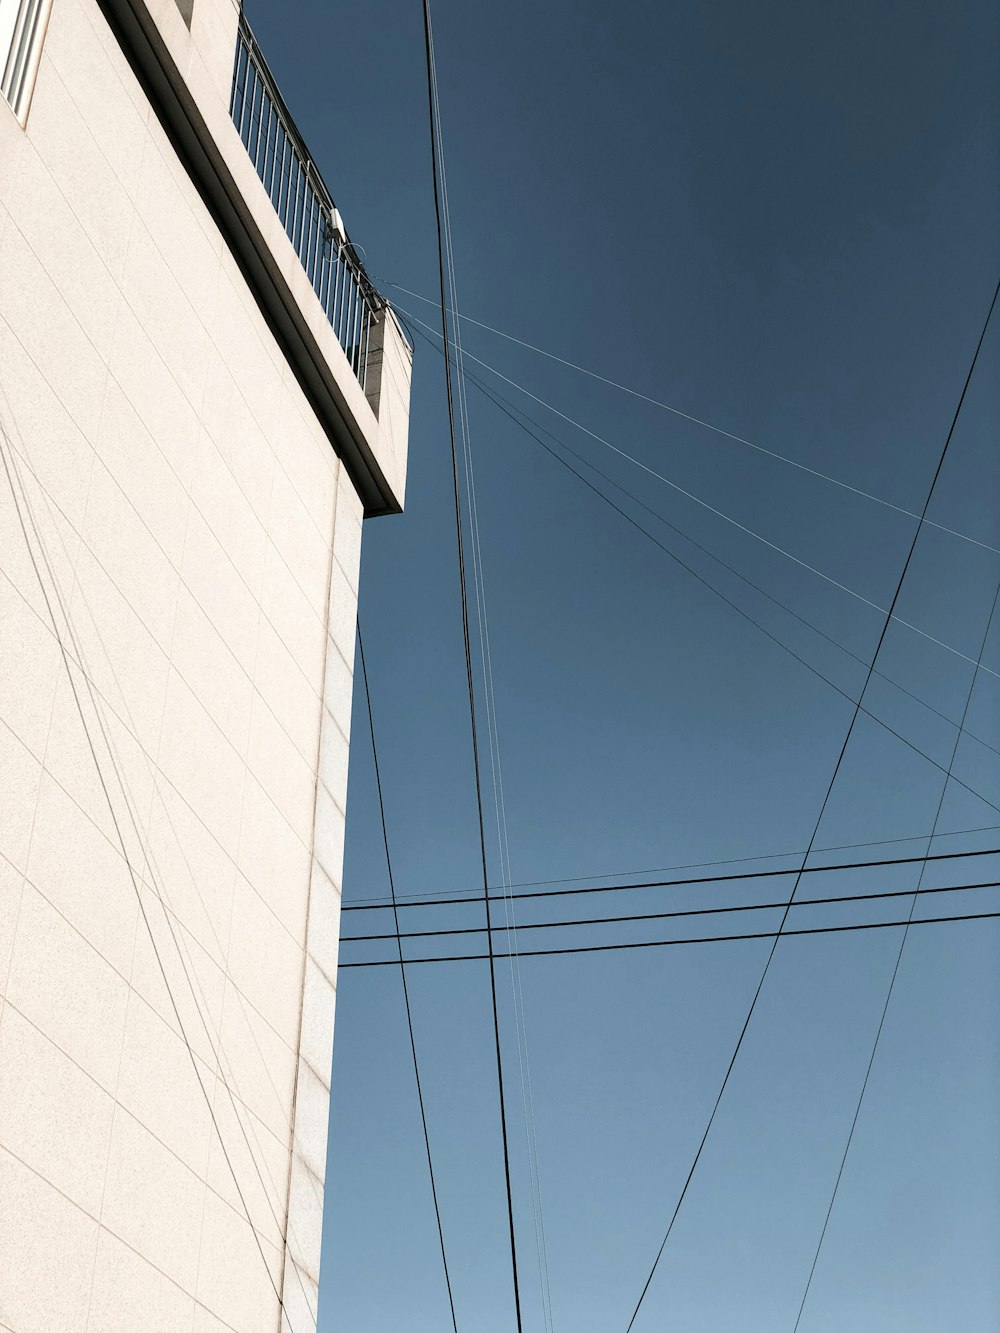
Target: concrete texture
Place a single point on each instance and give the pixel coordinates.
(179, 558)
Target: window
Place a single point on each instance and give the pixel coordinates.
(22, 27)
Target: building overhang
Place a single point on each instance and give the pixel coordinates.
(366, 427)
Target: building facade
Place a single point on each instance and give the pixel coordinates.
(201, 398)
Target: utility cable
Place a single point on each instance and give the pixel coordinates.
(679, 912)
(728, 601)
(416, 899)
(767, 633)
(406, 989)
(699, 421)
(728, 878)
(891, 987)
(670, 944)
(822, 810)
(719, 513)
(504, 404)
(434, 115)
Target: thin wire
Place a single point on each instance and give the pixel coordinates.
(680, 912)
(729, 877)
(406, 989)
(757, 625)
(434, 114)
(892, 985)
(496, 768)
(504, 404)
(822, 810)
(708, 425)
(670, 944)
(711, 508)
(414, 899)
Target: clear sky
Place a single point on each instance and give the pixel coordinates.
(782, 218)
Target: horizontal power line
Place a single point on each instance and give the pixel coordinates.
(708, 425)
(700, 879)
(665, 944)
(682, 912)
(361, 904)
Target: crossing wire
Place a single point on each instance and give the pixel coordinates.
(719, 513)
(891, 987)
(416, 899)
(673, 944)
(699, 421)
(732, 877)
(434, 115)
(822, 810)
(406, 989)
(876, 896)
(756, 624)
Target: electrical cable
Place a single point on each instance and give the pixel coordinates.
(891, 987)
(730, 877)
(415, 899)
(699, 421)
(669, 944)
(406, 989)
(504, 404)
(680, 912)
(434, 114)
(758, 626)
(719, 513)
(822, 810)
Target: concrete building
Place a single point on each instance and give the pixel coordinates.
(201, 396)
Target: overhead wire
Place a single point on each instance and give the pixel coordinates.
(415, 899)
(700, 421)
(731, 877)
(823, 806)
(891, 987)
(669, 944)
(627, 918)
(443, 261)
(405, 985)
(719, 513)
(496, 767)
(757, 625)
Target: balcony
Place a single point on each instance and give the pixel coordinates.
(303, 203)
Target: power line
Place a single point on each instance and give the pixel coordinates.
(680, 912)
(701, 879)
(719, 513)
(822, 810)
(436, 152)
(699, 421)
(669, 944)
(415, 899)
(503, 404)
(746, 615)
(406, 989)
(889, 991)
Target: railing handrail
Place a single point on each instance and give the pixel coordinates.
(302, 200)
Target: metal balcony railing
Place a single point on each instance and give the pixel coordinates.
(302, 202)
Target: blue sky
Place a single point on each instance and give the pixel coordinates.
(783, 219)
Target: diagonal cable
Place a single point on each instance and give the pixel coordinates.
(822, 810)
(443, 260)
(406, 989)
(892, 980)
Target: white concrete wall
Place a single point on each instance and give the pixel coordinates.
(174, 520)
